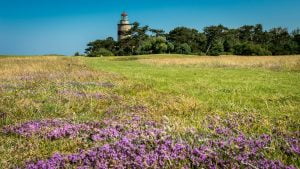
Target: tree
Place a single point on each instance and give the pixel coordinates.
(182, 35)
(296, 39)
(183, 49)
(215, 38)
(109, 44)
(246, 33)
(136, 36)
(250, 49)
(230, 40)
(259, 36)
(281, 42)
(217, 48)
(171, 47)
(155, 45)
(158, 32)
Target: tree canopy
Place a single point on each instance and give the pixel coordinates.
(213, 40)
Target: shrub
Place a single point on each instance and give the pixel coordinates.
(101, 52)
(77, 54)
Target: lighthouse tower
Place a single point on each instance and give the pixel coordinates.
(124, 26)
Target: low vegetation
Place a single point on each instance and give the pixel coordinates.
(278, 63)
(150, 111)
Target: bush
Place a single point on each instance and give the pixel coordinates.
(77, 54)
(249, 49)
(101, 52)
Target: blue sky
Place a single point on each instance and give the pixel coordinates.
(32, 27)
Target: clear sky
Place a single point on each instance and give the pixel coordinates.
(31, 27)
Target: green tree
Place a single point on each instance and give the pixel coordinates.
(215, 39)
(109, 44)
(157, 32)
(155, 45)
(281, 42)
(217, 48)
(136, 36)
(250, 49)
(171, 47)
(230, 38)
(182, 35)
(183, 49)
(246, 33)
(296, 39)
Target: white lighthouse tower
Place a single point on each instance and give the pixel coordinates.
(124, 26)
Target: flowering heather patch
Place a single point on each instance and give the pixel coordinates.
(33, 127)
(37, 76)
(51, 129)
(127, 108)
(68, 130)
(80, 94)
(108, 133)
(10, 87)
(5, 86)
(294, 145)
(29, 77)
(104, 84)
(98, 84)
(138, 108)
(162, 152)
(137, 143)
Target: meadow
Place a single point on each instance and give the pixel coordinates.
(152, 111)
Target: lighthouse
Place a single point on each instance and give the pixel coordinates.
(124, 26)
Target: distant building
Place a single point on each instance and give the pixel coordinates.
(124, 26)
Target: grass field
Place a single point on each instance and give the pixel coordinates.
(155, 111)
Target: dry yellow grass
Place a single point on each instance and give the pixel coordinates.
(268, 62)
(16, 66)
(44, 67)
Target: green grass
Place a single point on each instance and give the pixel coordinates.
(184, 93)
(253, 90)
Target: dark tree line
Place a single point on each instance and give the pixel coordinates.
(214, 40)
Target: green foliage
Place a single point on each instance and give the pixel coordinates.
(77, 54)
(96, 48)
(214, 35)
(155, 45)
(230, 40)
(182, 35)
(216, 49)
(135, 38)
(183, 49)
(297, 40)
(249, 49)
(157, 32)
(214, 40)
(281, 42)
(100, 52)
